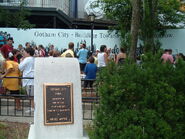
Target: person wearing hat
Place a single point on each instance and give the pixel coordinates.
(7, 48)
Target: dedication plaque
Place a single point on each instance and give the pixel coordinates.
(58, 104)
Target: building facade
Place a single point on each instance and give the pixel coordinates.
(57, 13)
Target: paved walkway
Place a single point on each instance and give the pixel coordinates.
(16, 119)
(86, 123)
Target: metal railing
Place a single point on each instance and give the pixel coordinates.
(90, 100)
(8, 105)
(63, 5)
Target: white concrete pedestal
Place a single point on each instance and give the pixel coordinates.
(56, 70)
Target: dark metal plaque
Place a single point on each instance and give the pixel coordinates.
(58, 104)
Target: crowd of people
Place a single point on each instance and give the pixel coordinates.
(173, 59)
(16, 63)
(20, 62)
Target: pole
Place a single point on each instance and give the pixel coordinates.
(92, 27)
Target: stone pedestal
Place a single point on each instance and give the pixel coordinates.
(56, 71)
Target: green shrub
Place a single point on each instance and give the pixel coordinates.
(22, 91)
(141, 102)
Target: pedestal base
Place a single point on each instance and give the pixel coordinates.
(31, 135)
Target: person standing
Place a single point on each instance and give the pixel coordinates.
(90, 72)
(27, 45)
(17, 55)
(12, 84)
(7, 48)
(120, 59)
(102, 56)
(51, 47)
(70, 51)
(82, 57)
(42, 52)
(36, 51)
(111, 56)
(20, 48)
(167, 57)
(26, 66)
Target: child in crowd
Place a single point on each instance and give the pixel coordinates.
(90, 72)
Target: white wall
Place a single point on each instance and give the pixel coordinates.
(61, 37)
(174, 39)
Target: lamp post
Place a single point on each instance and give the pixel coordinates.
(92, 18)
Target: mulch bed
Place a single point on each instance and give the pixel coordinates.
(13, 130)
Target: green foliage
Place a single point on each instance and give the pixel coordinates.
(2, 126)
(16, 19)
(170, 9)
(22, 91)
(141, 102)
(120, 11)
(155, 16)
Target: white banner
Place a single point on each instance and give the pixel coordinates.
(174, 38)
(61, 37)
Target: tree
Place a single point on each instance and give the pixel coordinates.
(155, 17)
(148, 27)
(120, 11)
(135, 22)
(16, 19)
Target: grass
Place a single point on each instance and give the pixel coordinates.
(13, 130)
(89, 129)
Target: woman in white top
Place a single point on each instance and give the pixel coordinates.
(102, 56)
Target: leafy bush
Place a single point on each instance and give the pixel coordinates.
(22, 91)
(141, 102)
